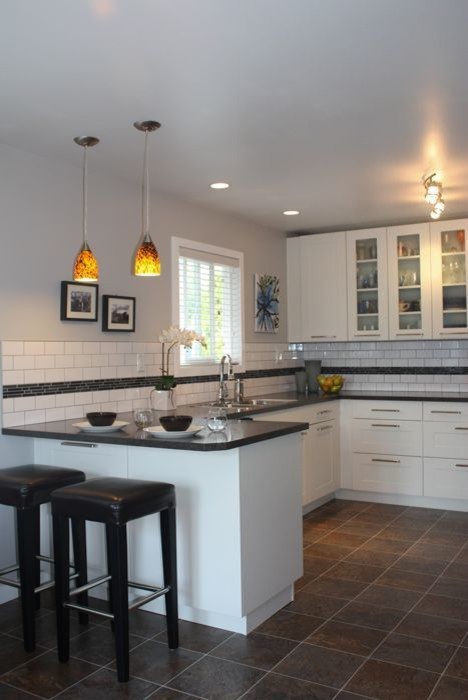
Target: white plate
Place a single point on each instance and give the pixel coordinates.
(88, 428)
(159, 432)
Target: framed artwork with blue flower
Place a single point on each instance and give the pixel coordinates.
(266, 303)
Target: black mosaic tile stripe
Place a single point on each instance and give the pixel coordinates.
(17, 390)
(395, 370)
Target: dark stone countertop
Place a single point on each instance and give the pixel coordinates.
(238, 434)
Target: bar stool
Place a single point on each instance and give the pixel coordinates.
(114, 502)
(25, 488)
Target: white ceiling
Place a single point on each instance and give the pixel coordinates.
(333, 107)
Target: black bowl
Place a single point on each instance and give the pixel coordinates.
(101, 418)
(171, 423)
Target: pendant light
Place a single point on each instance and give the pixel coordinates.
(85, 267)
(146, 262)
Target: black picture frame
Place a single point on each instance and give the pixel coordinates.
(78, 301)
(118, 313)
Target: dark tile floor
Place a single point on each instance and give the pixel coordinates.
(381, 612)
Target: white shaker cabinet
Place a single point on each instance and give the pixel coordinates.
(323, 287)
(449, 278)
(294, 301)
(409, 282)
(367, 284)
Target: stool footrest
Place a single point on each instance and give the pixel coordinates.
(86, 609)
(9, 569)
(90, 584)
(138, 602)
(9, 582)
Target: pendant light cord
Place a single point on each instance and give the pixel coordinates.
(85, 194)
(145, 190)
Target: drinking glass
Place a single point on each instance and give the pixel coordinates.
(217, 420)
(143, 417)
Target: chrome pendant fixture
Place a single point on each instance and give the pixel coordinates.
(85, 267)
(146, 262)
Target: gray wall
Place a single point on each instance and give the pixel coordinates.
(40, 205)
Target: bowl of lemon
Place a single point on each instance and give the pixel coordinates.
(330, 383)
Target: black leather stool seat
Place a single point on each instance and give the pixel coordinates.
(31, 484)
(113, 501)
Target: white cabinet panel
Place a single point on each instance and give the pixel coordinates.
(446, 478)
(442, 439)
(402, 410)
(367, 284)
(322, 477)
(384, 474)
(409, 281)
(293, 270)
(387, 437)
(323, 284)
(95, 459)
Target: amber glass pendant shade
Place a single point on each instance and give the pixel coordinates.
(147, 262)
(85, 267)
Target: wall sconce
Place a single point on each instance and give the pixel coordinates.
(147, 262)
(85, 267)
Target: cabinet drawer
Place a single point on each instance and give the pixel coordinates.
(444, 411)
(403, 410)
(95, 459)
(385, 474)
(390, 437)
(446, 439)
(323, 412)
(446, 478)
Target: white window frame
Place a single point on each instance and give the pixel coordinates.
(204, 368)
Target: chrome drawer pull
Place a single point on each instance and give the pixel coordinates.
(323, 336)
(453, 332)
(462, 465)
(321, 413)
(304, 432)
(79, 444)
(461, 428)
(325, 427)
(387, 461)
(385, 410)
(407, 334)
(458, 413)
(386, 425)
(365, 335)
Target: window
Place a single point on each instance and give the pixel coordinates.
(208, 295)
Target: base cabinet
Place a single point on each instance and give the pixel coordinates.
(388, 474)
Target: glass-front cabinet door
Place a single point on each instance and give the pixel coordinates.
(409, 282)
(367, 284)
(449, 278)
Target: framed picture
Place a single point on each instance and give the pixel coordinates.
(118, 313)
(78, 301)
(266, 303)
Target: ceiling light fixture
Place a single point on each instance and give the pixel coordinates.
(291, 212)
(433, 189)
(85, 267)
(146, 262)
(219, 185)
(435, 214)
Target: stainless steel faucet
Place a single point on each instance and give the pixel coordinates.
(223, 391)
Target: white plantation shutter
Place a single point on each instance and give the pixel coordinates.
(210, 303)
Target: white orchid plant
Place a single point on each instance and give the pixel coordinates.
(171, 337)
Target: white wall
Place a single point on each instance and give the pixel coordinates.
(40, 205)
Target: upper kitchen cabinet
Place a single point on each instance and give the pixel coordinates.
(449, 281)
(409, 282)
(367, 284)
(293, 271)
(323, 287)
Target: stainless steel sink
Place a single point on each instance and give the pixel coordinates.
(251, 403)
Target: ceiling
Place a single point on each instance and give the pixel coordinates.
(333, 107)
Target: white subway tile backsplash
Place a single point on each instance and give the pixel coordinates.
(73, 348)
(54, 348)
(34, 376)
(23, 362)
(12, 347)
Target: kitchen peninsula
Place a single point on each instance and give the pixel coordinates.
(239, 516)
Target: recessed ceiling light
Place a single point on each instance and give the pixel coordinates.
(291, 212)
(219, 185)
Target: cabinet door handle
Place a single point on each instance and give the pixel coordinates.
(322, 413)
(409, 334)
(385, 410)
(364, 335)
(304, 432)
(79, 444)
(462, 465)
(461, 428)
(323, 336)
(453, 332)
(387, 461)
(458, 413)
(325, 427)
(386, 425)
